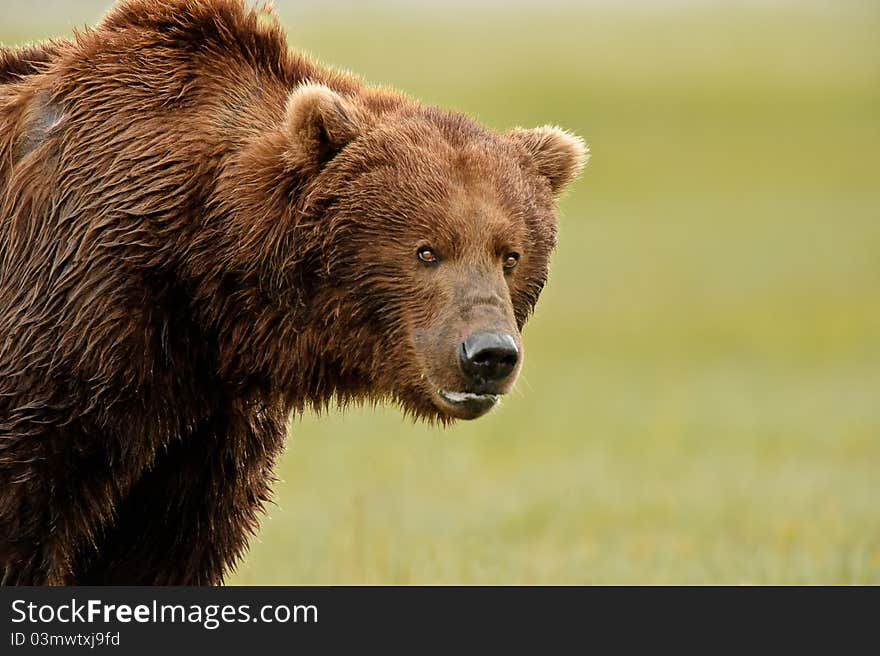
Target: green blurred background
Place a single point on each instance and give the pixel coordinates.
(701, 396)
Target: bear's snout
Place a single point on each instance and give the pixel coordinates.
(487, 360)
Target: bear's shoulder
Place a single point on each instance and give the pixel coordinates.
(214, 28)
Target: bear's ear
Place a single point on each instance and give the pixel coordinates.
(321, 121)
(557, 155)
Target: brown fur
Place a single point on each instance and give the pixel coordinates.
(201, 232)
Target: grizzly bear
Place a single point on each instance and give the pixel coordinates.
(202, 233)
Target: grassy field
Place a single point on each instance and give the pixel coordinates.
(701, 398)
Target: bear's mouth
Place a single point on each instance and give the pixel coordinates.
(466, 405)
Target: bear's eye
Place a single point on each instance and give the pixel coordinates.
(511, 260)
(427, 255)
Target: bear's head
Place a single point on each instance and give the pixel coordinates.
(423, 242)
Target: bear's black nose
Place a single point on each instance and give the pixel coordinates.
(488, 357)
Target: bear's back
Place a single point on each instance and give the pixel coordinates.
(16, 63)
